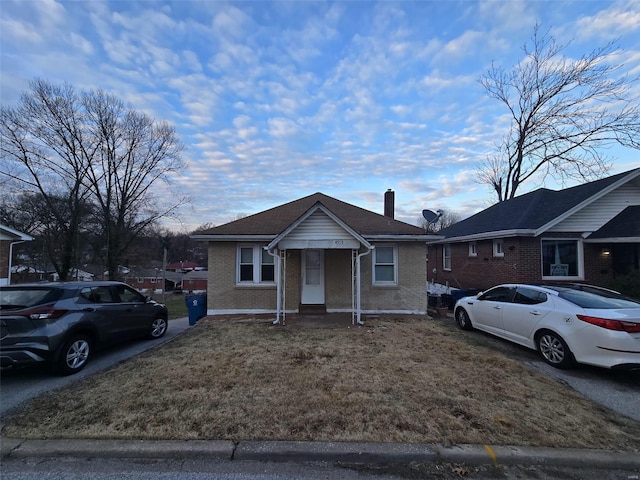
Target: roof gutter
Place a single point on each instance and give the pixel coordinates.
(486, 236)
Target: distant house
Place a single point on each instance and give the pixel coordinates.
(185, 266)
(9, 238)
(317, 254)
(75, 274)
(150, 279)
(195, 281)
(589, 233)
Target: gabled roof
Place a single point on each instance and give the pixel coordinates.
(14, 234)
(272, 222)
(625, 226)
(534, 212)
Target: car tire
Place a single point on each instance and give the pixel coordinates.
(158, 328)
(74, 354)
(463, 320)
(554, 350)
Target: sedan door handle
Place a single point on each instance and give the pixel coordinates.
(535, 312)
(497, 307)
(88, 309)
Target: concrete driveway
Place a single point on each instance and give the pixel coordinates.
(616, 390)
(20, 385)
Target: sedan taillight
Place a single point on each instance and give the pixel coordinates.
(619, 325)
(46, 312)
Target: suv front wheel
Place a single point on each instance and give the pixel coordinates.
(74, 354)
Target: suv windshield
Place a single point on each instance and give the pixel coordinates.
(12, 298)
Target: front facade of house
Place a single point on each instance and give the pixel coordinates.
(316, 254)
(589, 233)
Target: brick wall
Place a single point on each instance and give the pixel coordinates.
(224, 294)
(410, 293)
(521, 263)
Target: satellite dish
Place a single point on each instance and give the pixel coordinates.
(431, 216)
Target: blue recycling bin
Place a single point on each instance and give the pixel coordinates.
(197, 307)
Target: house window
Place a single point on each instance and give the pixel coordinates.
(267, 268)
(498, 247)
(255, 265)
(473, 249)
(385, 265)
(561, 258)
(446, 257)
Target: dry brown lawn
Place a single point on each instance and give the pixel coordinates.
(397, 379)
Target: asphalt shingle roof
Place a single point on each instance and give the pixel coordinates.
(530, 211)
(277, 219)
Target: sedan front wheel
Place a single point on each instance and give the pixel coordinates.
(463, 320)
(554, 350)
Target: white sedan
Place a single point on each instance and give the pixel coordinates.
(566, 323)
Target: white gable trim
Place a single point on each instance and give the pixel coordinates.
(588, 201)
(312, 230)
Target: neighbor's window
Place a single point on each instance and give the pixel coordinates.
(473, 249)
(385, 265)
(255, 265)
(498, 247)
(446, 257)
(561, 258)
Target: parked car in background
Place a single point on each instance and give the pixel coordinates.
(566, 323)
(63, 323)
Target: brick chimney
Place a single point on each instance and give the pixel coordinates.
(389, 203)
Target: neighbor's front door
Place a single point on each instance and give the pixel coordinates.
(313, 277)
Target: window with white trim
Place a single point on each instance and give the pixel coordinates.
(254, 265)
(446, 257)
(473, 249)
(385, 265)
(562, 258)
(498, 247)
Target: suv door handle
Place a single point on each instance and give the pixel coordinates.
(88, 309)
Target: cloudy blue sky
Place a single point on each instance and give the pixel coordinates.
(278, 100)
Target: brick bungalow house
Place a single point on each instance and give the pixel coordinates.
(317, 254)
(195, 281)
(589, 233)
(8, 239)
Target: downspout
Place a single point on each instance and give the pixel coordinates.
(358, 289)
(276, 273)
(11, 259)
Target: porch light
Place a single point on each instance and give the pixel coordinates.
(606, 251)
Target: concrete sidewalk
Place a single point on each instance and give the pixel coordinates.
(361, 453)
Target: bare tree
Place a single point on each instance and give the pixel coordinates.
(44, 152)
(87, 153)
(563, 113)
(135, 153)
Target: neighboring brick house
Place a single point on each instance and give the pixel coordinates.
(8, 239)
(318, 254)
(195, 281)
(150, 279)
(589, 233)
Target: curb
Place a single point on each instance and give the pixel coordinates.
(283, 451)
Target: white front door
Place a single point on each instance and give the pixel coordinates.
(312, 277)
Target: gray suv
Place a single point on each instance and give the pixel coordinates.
(62, 323)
